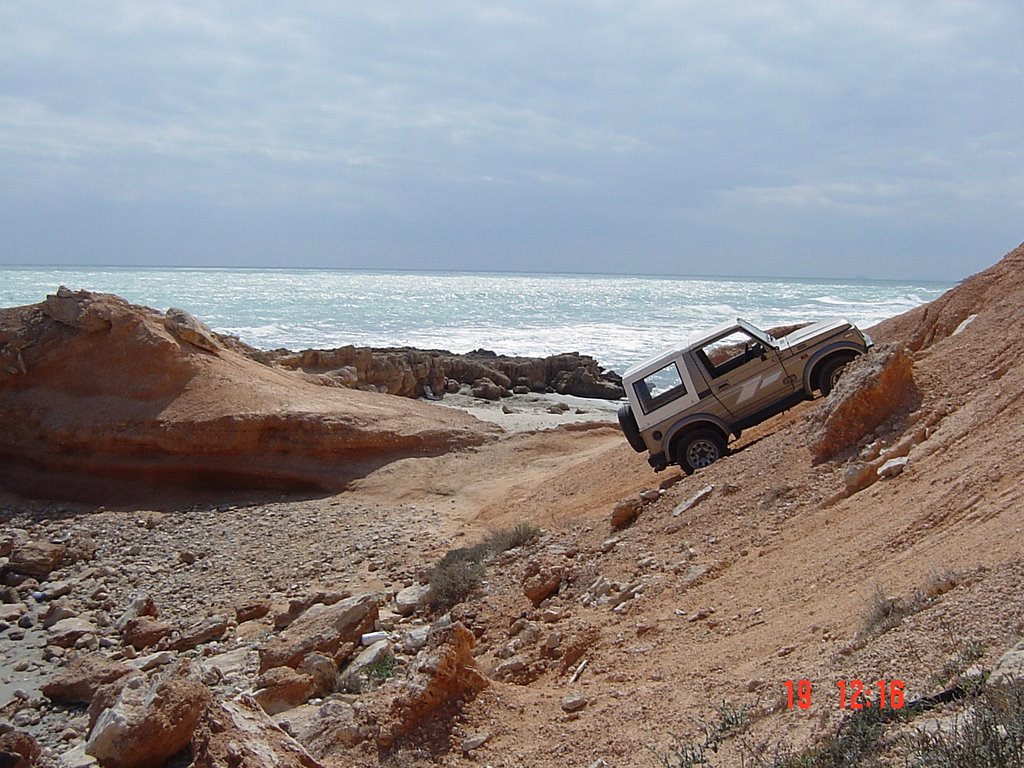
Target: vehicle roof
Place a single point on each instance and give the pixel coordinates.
(665, 355)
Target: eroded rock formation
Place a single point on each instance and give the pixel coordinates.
(102, 394)
(874, 387)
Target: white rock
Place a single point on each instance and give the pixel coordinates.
(693, 501)
(411, 598)
(372, 637)
(893, 467)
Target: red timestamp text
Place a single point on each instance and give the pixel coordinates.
(853, 694)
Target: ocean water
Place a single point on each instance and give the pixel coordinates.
(618, 319)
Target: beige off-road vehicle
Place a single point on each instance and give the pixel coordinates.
(686, 402)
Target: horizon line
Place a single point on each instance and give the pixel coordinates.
(410, 270)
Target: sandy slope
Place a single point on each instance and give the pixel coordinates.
(791, 578)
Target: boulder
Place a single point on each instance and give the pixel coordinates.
(584, 382)
(144, 631)
(874, 388)
(148, 724)
(212, 628)
(183, 326)
(141, 605)
(486, 389)
(239, 734)
(283, 688)
(36, 559)
(413, 598)
(78, 682)
(625, 513)
(250, 610)
(333, 630)
(66, 632)
(18, 750)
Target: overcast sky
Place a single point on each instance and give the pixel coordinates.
(708, 137)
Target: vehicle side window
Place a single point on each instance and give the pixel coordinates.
(660, 388)
(727, 353)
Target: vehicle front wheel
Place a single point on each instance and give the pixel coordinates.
(699, 448)
(830, 373)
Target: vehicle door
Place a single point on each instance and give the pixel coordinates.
(744, 373)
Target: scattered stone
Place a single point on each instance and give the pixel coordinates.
(283, 688)
(858, 476)
(367, 658)
(475, 741)
(650, 495)
(574, 702)
(139, 606)
(694, 573)
(893, 467)
(551, 615)
(693, 501)
(510, 667)
(415, 639)
(151, 661)
(1009, 668)
(228, 663)
(77, 758)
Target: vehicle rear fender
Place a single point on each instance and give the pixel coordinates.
(837, 349)
(696, 421)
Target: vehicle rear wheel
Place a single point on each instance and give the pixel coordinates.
(699, 448)
(830, 373)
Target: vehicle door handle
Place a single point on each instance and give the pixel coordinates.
(723, 386)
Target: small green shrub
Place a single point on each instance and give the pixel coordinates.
(461, 570)
(381, 670)
(454, 581)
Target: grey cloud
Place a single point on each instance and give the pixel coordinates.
(561, 135)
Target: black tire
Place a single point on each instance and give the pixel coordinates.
(698, 448)
(631, 429)
(829, 373)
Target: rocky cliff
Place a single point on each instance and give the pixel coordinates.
(98, 394)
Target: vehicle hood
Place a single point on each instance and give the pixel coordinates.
(821, 329)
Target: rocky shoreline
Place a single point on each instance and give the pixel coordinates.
(409, 372)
